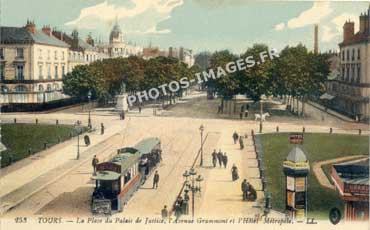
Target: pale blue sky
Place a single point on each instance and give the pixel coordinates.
(196, 24)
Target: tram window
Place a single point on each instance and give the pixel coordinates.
(115, 186)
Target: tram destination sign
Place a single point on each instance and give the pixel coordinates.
(296, 138)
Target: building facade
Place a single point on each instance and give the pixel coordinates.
(351, 89)
(32, 64)
(117, 46)
(183, 54)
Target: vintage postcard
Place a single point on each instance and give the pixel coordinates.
(162, 114)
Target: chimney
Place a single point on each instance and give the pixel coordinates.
(316, 42)
(58, 35)
(46, 30)
(348, 31)
(31, 27)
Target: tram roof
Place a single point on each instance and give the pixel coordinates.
(146, 146)
(106, 175)
(126, 158)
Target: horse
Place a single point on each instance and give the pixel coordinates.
(258, 116)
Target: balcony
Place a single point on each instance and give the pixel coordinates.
(19, 59)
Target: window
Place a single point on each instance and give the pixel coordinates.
(48, 54)
(62, 55)
(358, 54)
(56, 72)
(19, 72)
(56, 55)
(48, 88)
(347, 74)
(353, 54)
(358, 73)
(343, 73)
(2, 53)
(353, 74)
(342, 55)
(41, 88)
(19, 53)
(49, 71)
(40, 53)
(21, 88)
(63, 70)
(40, 72)
(2, 71)
(347, 55)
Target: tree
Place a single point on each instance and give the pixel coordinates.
(82, 80)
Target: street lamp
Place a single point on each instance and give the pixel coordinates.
(79, 131)
(261, 111)
(201, 128)
(89, 119)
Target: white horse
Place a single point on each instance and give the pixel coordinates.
(258, 116)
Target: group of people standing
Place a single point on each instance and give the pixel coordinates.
(219, 157)
(237, 137)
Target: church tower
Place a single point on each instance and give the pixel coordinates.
(116, 35)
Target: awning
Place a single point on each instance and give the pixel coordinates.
(326, 96)
(106, 175)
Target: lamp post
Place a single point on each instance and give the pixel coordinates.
(79, 130)
(201, 128)
(192, 173)
(261, 112)
(89, 119)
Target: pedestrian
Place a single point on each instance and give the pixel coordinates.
(219, 109)
(214, 158)
(234, 173)
(235, 137)
(219, 157)
(164, 212)
(245, 189)
(224, 160)
(155, 180)
(101, 128)
(94, 163)
(241, 142)
(123, 115)
(241, 115)
(139, 108)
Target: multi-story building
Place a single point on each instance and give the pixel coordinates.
(117, 47)
(184, 55)
(80, 52)
(352, 87)
(153, 52)
(32, 64)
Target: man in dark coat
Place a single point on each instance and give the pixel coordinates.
(164, 212)
(241, 142)
(224, 160)
(155, 180)
(214, 158)
(245, 189)
(220, 156)
(235, 137)
(94, 163)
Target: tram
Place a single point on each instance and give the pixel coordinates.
(117, 180)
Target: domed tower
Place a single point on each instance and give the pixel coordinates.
(296, 168)
(116, 35)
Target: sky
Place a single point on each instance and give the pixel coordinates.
(200, 25)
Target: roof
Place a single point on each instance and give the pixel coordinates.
(146, 146)
(84, 45)
(326, 96)
(296, 155)
(20, 35)
(354, 172)
(126, 158)
(106, 175)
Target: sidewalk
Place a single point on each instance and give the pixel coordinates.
(221, 194)
(27, 178)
